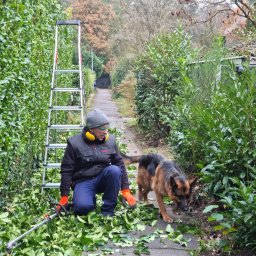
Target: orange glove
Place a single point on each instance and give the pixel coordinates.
(63, 201)
(131, 200)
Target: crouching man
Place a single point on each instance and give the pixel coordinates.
(91, 165)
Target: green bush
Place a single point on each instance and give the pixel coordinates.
(26, 56)
(230, 153)
(89, 79)
(241, 212)
(200, 80)
(90, 58)
(214, 130)
(159, 80)
(120, 72)
(219, 135)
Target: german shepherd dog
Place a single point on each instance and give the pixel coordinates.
(165, 178)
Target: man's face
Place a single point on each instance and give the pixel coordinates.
(100, 132)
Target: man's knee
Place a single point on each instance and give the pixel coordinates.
(114, 171)
(83, 208)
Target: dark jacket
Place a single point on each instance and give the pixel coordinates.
(84, 159)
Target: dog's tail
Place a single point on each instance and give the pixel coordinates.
(130, 159)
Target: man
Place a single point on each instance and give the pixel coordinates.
(92, 165)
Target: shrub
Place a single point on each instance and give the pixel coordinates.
(214, 130)
(89, 79)
(120, 72)
(188, 135)
(241, 212)
(158, 72)
(219, 135)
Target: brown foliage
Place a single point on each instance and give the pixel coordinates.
(110, 65)
(95, 17)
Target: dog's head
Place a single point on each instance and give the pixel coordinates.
(181, 190)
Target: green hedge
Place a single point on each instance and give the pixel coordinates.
(26, 57)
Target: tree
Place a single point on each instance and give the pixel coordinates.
(139, 22)
(95, 16)
(234, 19)
(241, 10)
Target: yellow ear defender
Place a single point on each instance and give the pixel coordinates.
(91, 137)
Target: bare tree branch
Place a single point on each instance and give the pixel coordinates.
(247, 15)
(214, 15)
(243, 9)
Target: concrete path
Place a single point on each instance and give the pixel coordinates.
(103, 101)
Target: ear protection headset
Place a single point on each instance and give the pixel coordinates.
(92, 137)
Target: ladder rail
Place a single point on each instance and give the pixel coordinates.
(54, 63)
(53, 126)
(80, 72)
(51, 96)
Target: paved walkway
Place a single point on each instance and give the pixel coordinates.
(102, 100)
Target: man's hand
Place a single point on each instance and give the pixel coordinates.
(127, 195)
(63, 201)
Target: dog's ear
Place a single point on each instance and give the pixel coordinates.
(173, 183)
(192, 182)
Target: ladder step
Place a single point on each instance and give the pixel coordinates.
(56, 146)
(52, 165)
(67, 71)
(63, 127)
(65, 108)
(68, 22)
(51, 185)
(66, 89)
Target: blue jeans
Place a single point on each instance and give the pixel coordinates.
(108, 182)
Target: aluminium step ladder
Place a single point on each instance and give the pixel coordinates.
(60, 127)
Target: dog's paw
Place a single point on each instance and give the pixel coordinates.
(166, 218)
